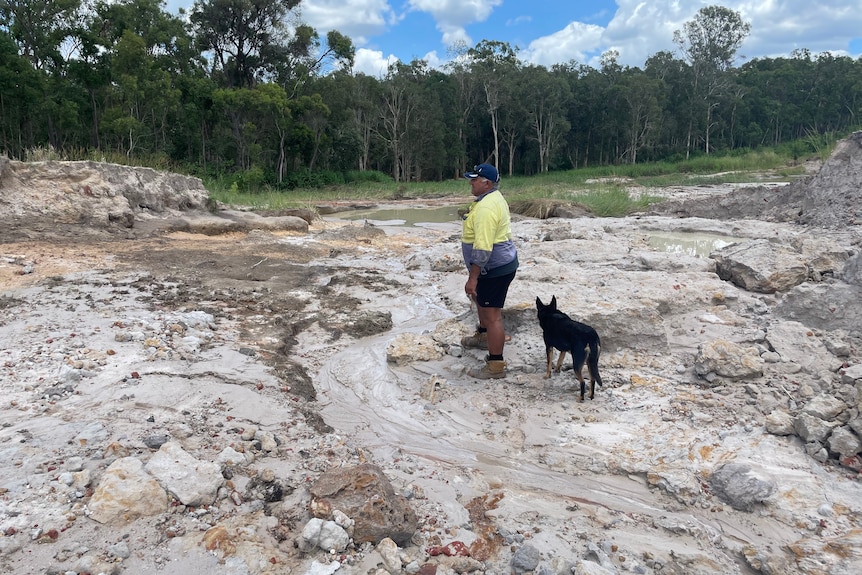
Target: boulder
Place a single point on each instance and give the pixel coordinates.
(844, 442)
(728, 359)
(127, 492)
(741, 486)
(409, 347)
(829, 305)
(366, 496)
(779, 423)
(760, 266)
(192, 481)
(812, 428)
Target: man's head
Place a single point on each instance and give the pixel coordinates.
(483, 179)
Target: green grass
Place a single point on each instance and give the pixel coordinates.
(602, 189)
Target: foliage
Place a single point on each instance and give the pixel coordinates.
(245, 91)
(605, 190)
(614, 201)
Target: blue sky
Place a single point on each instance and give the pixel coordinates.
(554, 31)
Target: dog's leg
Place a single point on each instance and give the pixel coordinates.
(549, 356)
(583, 385)
(579, 356)
(560, 361)
(593, 367)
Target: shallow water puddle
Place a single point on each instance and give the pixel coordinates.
(402, 216)
(690, 243)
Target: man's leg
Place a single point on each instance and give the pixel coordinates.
(495, 366)
(491, 318)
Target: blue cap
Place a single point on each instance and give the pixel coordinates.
(486, 171)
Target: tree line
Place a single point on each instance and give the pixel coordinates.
(243, 88)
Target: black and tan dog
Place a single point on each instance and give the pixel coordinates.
(567, 335)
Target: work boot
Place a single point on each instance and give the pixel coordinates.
(478, 340)
(493, 369)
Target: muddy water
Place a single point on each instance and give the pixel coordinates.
(544, 458)
(377, 406)
(413, 216)
(690, 243)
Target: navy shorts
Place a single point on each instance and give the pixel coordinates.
(491, 292)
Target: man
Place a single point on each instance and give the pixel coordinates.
(491, 260)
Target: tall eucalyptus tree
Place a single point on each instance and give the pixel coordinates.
(491, 62)
(709, 42)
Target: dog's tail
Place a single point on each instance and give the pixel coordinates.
(593, 359)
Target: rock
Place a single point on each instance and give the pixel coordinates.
(812, 428)
(844, 442)
(764, 561)
(599, 555)
(679, 483)
(638, 327)
(817, 452)
(326, 535)
(590, 568)
(525, 559)
(409, 347)
(265, 487)
(828, 305)
(318, 568)
(728, 359)
(228, 221)
(255, 221)
(190, 480)
(835, 555)
(823, 256)
(761, 266)
(825, 407)
(779, 423)
(267, 440)
(230, 456)
(96, 194)
(741, 486)
(155, 441)
(365, 495)
(126, 492)
(120, 550)
(793, 339)
(388, 551)
(852, 270)
(852, 374)
(446, 263)
(556, 566)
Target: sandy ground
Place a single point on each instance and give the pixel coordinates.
(295, 347)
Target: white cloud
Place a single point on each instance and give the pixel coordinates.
(358, 19)
(637, 30)
(820, 26)
(434, 61)
(372, 62)
(452, 15)
(453, 35)
(576, 41)
(456, 12)
(777, 28)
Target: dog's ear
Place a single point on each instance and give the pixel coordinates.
(554, 302)
(539, 302)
